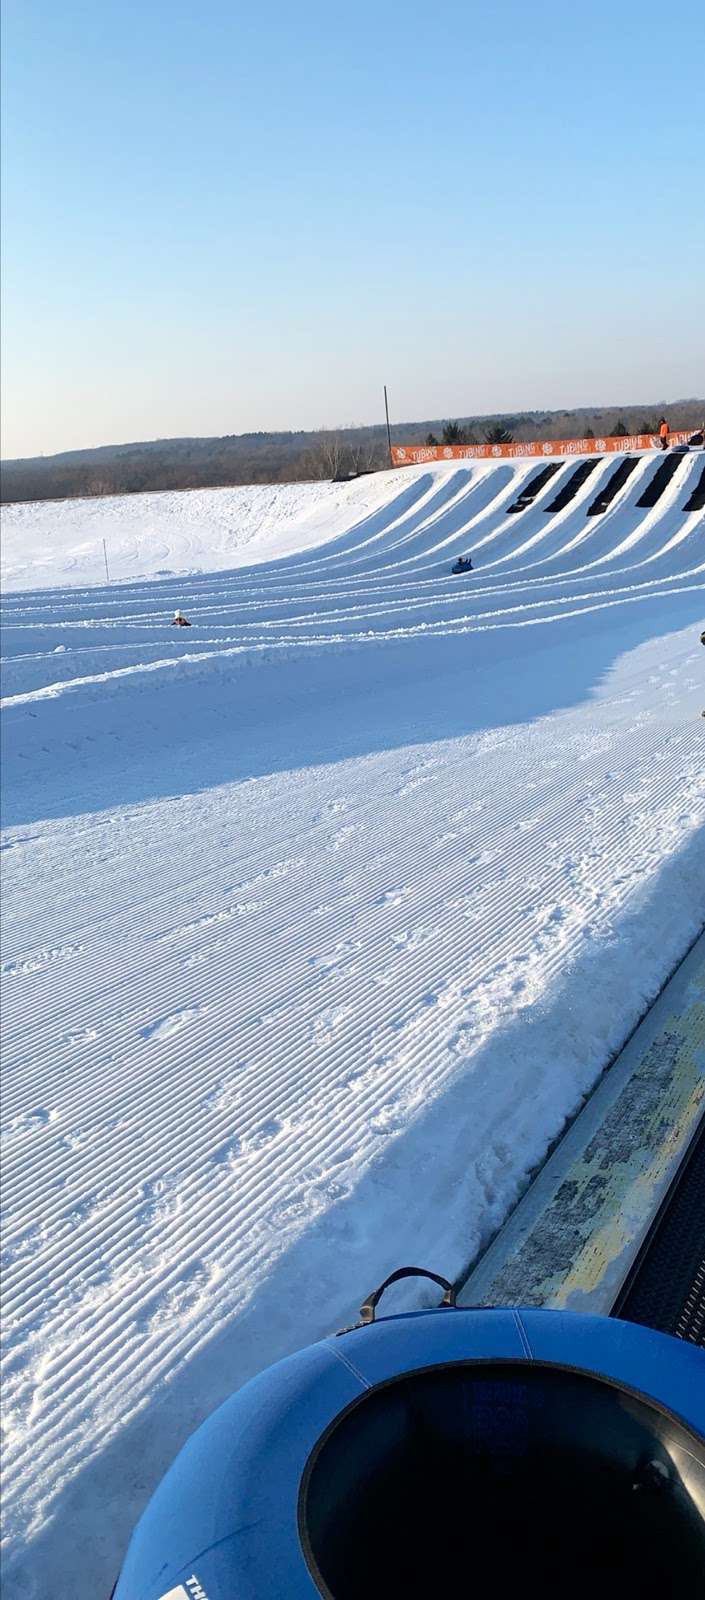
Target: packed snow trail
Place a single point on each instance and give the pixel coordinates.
(318, 924)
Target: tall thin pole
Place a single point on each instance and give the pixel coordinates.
(105, 558)
(389, 436)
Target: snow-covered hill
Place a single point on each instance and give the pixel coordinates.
(320, 919)
(164, 535)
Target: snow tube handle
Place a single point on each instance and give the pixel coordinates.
(367, 1309)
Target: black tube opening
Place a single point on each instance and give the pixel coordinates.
(505, 1474)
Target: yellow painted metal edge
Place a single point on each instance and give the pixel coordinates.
(572, 1240)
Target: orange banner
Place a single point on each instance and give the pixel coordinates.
(414, 455)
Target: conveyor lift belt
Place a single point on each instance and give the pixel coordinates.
(697, 498)
(575, 482)
(613, 485)
(656, 485)
(666, 1286)
(534, 487)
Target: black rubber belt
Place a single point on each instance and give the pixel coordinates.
(666, 1286)
(697, 498)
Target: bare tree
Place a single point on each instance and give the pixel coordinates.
(366, 454)
(327, 454)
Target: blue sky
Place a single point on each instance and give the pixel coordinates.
(221, 219)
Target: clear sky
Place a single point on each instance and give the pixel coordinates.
(222, 218)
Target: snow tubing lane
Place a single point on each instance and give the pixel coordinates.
(697, 498)
(656, 485)
(575, 482)
(394, 1460)
(613, 485)
(534, 487)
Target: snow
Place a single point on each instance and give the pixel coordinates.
(321, 917)
(166, 534)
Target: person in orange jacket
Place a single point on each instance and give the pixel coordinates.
(663, 432)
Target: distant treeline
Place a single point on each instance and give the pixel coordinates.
(292, 457)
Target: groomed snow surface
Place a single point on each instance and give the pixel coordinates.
(321, 917)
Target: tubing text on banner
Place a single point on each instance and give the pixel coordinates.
(415, 455)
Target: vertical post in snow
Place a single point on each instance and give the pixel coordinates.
(105, 558)
(389, 436)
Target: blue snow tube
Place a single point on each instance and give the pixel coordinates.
(440, 1451)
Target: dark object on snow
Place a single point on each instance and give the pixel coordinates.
(697, 440)
(613, 485)
(180, 621)
(364, 1465)
(534, 487)
(572, 484)
(697, 498)
(463, 564)
(659, 480)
